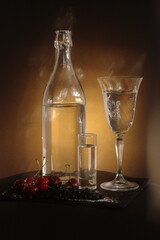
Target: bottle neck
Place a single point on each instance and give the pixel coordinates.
(63, 44)
(63, 57)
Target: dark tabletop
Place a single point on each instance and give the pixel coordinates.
(126, 217)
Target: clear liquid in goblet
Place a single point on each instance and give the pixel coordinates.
(120, 109)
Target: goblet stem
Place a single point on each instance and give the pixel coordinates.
(119, 145)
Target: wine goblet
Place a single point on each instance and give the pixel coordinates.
(119, 96)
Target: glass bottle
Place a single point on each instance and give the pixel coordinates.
(63, 116)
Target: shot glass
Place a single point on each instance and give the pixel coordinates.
(87, 160)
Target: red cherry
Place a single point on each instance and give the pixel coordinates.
(44, 179)
(42, 183)
(31, 190)
(73, 182)
(55, 180)
(30, 180)
(20, 185)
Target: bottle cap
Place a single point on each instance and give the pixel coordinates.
(63, 39)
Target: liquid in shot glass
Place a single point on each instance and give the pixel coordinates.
(87, 160)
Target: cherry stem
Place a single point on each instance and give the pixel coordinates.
(39, 167)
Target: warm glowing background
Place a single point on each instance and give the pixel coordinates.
(121, 38)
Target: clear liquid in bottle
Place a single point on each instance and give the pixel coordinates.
(62, 124)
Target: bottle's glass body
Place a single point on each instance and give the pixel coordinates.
(63, 113)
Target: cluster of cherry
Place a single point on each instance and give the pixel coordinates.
(51, 187)
(33, 185)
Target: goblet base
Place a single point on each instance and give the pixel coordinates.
(117, 186)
